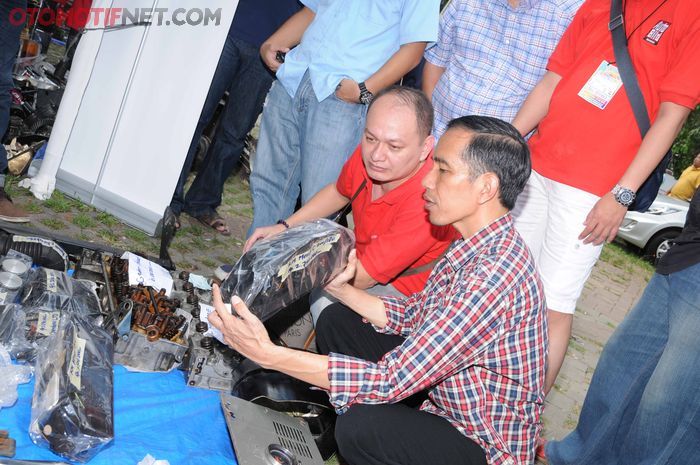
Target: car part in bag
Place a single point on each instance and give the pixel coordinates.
(262, 436)
(55, 290)
(72, 406)
(277, 271)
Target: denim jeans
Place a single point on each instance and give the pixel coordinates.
(242, 73)
(9, 46)
(303, 143)
(643, 404)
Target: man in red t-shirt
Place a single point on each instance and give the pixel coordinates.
(396, 244)
(587, 153)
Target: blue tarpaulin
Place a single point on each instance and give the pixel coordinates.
(154, 413)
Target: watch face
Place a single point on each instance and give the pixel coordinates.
(625, 197)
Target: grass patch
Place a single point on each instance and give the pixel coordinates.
(137, 236)
(84, 237)
(624, 259)
(84, 221)
(207, 262)
(107, 219)
(59, 203)
(33, 207)
(53, 223)
(109, 236)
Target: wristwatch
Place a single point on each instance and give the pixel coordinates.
(623, 195)
(365, 95)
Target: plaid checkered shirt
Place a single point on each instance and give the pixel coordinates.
(475, 339)
(493, 55)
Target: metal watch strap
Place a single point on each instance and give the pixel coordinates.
(365, 95)
(623, 195)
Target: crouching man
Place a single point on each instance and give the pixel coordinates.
(474, 338)
(396, 245)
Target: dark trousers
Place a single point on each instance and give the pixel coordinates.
(9, 46)
(242, 73)
(387, 433)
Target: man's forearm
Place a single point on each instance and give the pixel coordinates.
(326, 202)
(308, 367)
(536, 105)
(431, 75)
(655, 144)
(404, 60)
(364, 304)
(362, 279)
(290, 33)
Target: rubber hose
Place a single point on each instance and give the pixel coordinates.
(43, 252)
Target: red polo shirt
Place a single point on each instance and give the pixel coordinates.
(579, 144)
(393, 233)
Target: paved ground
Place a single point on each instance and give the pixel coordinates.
(613, 288)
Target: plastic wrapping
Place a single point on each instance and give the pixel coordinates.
(11, 375)
(24, 331)
(72, 407)
(54, 290)
(13, 334)
(279, 270)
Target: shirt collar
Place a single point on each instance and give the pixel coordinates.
(462, 251)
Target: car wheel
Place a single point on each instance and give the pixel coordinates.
(659, 244)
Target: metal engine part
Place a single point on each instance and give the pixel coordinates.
(154, 329)
(210, 364)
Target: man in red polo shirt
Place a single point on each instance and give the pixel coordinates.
(396, 244)
(588, 157)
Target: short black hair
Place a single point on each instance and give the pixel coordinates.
(415, 99)
(496, 147)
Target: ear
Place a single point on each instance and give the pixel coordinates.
(489, 188)
(428, 145)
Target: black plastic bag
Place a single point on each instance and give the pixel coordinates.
(279, 270)
(72, 407)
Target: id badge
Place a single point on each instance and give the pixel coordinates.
(602, 86)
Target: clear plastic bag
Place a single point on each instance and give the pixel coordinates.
(279, 270)
(47, 288)
(24, 331)
(55, 290)
(13, 333)
(11, 376)
(72, 407)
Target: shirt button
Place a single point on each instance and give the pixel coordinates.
(507, 42)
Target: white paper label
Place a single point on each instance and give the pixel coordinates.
(52, 277)
(75, 369)
(142, 271)
(301, 261)
(3, 297)
(48, 323)
(204, 311)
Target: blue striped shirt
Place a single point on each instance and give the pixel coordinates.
(493, 55)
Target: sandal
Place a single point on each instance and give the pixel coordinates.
(215, 222)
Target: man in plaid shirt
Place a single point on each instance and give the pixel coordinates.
(490, 54)
(474, 340)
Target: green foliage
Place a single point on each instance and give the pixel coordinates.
(687, 144)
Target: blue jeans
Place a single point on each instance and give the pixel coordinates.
(9, 46)
(303, 143)
(242, 73)
(643, 404)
